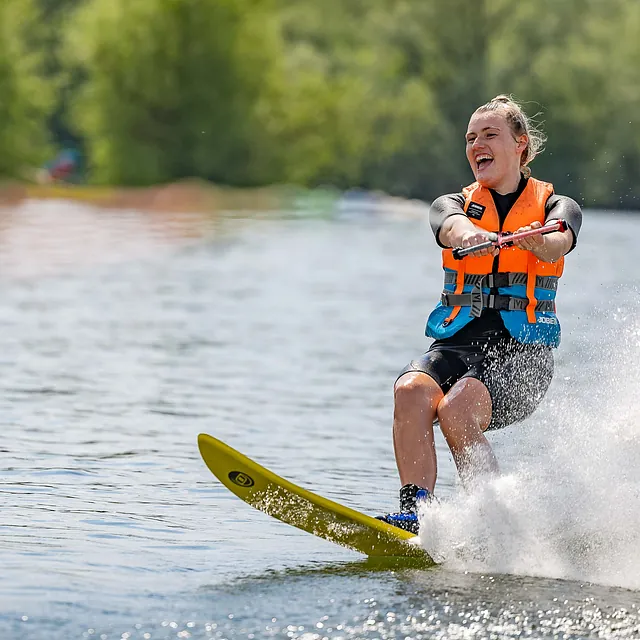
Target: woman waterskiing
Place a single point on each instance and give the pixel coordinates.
(495, 325)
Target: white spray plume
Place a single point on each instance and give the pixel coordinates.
(569, 507)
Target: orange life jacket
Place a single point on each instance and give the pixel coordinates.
(525, 285)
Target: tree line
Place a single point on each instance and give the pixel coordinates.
(348, 93)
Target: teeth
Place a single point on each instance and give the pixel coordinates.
(483, 157)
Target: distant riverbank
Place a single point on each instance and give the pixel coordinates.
(201, 196)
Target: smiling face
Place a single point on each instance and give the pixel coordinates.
(493, 151)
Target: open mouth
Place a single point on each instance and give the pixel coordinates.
(483, 161)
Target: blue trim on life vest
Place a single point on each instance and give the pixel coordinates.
(545, 331)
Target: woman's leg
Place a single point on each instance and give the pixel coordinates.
(417, 396)
(464, 413)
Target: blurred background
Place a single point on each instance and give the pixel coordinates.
(339, 93)
(214, 218)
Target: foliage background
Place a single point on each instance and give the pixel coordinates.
(348, 93)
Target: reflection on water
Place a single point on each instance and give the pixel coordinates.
(44, 238)
(124, 334)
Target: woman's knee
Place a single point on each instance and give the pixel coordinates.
(418, 387)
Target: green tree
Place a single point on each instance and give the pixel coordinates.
(579, 68)
(54, 14)
(25, 96)
(351, 113)
(174, 88)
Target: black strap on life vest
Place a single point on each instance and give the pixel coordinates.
(479, 301)
(507, 279)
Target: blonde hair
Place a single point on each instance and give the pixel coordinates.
(520, 124)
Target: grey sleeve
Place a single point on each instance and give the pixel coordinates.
(442, 208)
(562, 207)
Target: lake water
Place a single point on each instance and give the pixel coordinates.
(125, 334)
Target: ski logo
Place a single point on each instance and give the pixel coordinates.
(241, 479)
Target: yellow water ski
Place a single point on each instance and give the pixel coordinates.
(282, 499)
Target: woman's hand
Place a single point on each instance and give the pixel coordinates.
(549, 247)
(533, 243)
(476, 236)
(460, 232)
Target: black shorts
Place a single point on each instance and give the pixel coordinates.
(516, 375)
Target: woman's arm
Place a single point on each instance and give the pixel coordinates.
(451, 226)
(551, 247)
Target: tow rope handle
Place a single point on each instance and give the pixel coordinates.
(501, 240)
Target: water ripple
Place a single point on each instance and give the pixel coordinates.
(124, 334)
